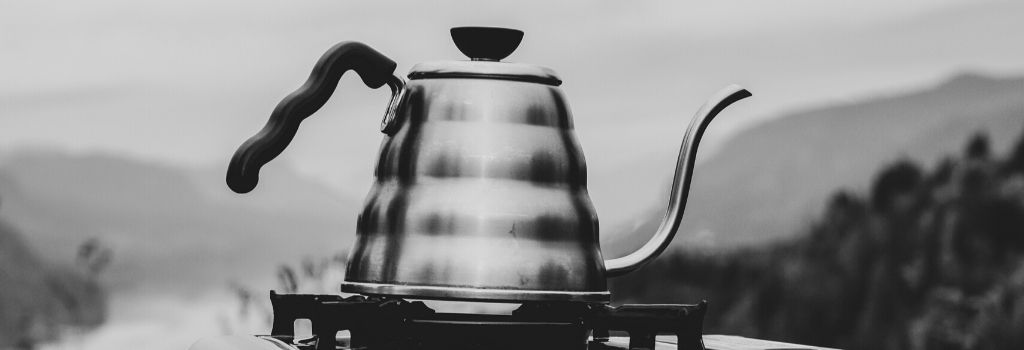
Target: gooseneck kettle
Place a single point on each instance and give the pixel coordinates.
(480, 190)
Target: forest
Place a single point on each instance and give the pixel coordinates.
(928, 258)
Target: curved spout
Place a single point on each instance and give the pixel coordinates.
(680, 184)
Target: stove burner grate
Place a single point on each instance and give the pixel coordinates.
(376, 323)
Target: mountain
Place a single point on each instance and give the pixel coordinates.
(171, 229)
(767, 181)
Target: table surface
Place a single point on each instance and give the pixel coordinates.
(722, 342)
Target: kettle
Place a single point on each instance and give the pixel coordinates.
(480, 190)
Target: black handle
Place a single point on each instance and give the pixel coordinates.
(375, 70)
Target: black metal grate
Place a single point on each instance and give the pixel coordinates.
(381, 323)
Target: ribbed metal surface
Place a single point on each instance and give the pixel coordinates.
(484, 186)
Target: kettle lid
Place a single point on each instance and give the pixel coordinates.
(485, 46)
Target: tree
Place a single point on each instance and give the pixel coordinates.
(899, 178)
(978, 148)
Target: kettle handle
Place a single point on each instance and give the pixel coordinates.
(680, 184)
(373, 67)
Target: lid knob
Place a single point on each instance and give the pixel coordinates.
(486, 43)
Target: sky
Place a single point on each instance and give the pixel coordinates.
(185, 82)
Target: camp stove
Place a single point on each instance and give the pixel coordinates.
(389, 323)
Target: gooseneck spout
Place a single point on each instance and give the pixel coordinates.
(680, 184)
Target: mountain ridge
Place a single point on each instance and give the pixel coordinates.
(171, 227)
(765, 180)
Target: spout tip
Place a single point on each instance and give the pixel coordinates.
(736, 91)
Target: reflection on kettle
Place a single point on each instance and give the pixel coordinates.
(480, 190)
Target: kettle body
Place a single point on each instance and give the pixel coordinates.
(480, 188)
(479, 197)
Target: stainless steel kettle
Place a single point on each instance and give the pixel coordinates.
(480, 189)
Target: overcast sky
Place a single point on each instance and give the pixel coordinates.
(187, 81)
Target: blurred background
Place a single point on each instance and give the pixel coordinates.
(870, 194)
